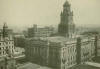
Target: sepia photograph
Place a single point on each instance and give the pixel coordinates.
(49, 34)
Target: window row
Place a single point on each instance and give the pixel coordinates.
(8, 47)
(3, 43)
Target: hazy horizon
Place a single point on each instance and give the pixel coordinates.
(21, 14)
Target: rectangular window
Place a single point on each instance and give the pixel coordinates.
(3, 52)
(0, 53)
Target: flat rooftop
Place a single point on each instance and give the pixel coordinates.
(58, 39)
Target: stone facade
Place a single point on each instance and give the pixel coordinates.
(2, 63)
(66, 26)
(6, 49)
(6, 42)
(37, 48)
(61, 54)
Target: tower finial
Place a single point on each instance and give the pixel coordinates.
(5, 25)
(66, 4)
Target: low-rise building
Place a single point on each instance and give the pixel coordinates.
(19, 53)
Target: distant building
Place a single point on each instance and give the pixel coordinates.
(66, 26)
(6, 49)
(8, 52)
(19, 41)
(60, 52)
(19, 35)
(6, 41)
(36, 31)
(19, 53)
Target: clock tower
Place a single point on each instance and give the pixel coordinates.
(66, 26)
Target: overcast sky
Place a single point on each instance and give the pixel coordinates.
(20, 14)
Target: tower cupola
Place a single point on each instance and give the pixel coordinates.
(5, 30)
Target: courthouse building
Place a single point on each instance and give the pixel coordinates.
(62, 52)
(38, 49)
